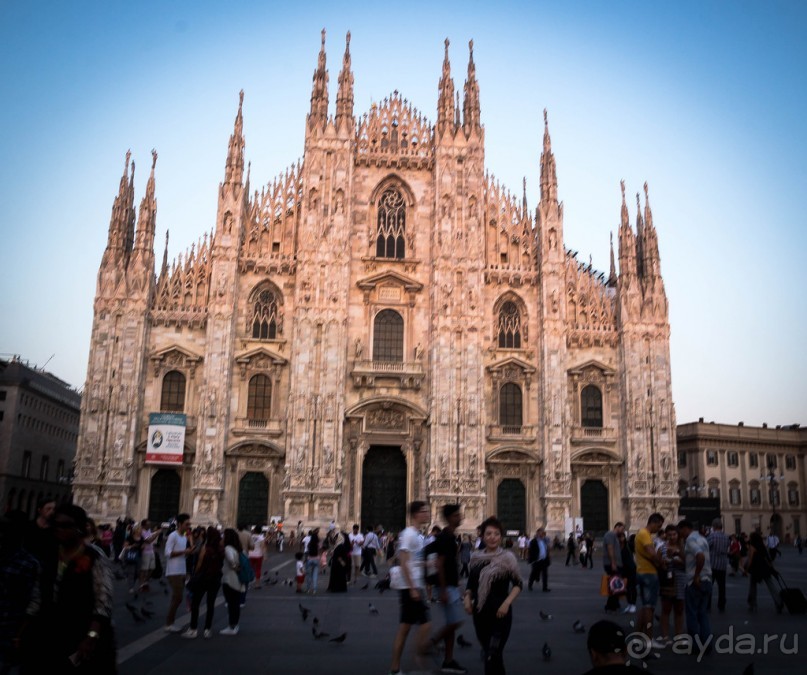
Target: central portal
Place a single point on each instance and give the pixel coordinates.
(383, 488)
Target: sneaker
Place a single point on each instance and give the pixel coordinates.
(172, 628)
(658, 643)
(208, 634)
(190, 633)
(230, 630)
(452, 667)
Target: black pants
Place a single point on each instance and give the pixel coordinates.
(719, 578)
(368, 561)
(492, 634)
(538, 570)
(570, 556)
(211, 589)
(233, 599)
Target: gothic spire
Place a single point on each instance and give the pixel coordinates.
(164, 268)
(121, 222)
(639, 238)
(549, 180)
(147, 218)
(319, 90)
(445, 96)
(524, 195)
(234, 169)
(612, 273)
(627, 242)
(344, 97)
(650, 243)
(471, 112)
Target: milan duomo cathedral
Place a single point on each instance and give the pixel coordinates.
(382, 322)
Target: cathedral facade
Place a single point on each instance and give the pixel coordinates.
(383, 322)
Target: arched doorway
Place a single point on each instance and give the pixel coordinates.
(594, 506)
(776, 525)
(383, 488)
(253, 499)
(164, 496)
(511, 505)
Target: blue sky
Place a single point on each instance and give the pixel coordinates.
(704, 100)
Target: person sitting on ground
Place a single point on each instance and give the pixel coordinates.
(607, 650)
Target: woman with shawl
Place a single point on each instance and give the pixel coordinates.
(340, 565)
(494, 583)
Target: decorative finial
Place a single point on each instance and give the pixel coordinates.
(323, 37)
(166, 238)
(347, 39)
(645, 190)
(128, 157)
(153, 158)
(638, 204)
(240, 98)
(546, 118)
(471, 48)
(622, 186)
(447, 42)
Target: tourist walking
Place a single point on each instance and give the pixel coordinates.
(205, 581)
(311, 548)
(538, 558)
(612, 561)
(719, 558)
(699, 582)
(176, 551)
(492, 587)
(448, 586)
(673, 586)
(412, 595)
(369, 552)
(255, 554)
(648, 563)
(230, 581)
(571, 547)
(759, 568)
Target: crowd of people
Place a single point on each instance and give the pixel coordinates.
(58, 572)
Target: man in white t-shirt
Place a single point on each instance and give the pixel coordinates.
(414, 609)
(356, 541)
(176, 551)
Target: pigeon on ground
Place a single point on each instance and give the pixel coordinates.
(304, 611)
(546, 651)
(372, 607)
(462, 642)
(578, 627)
(134, 612)
(317, 635)
(544, 615)
(339, 638)
(366, 586)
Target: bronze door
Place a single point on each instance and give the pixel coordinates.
(594, 507)
(253, 500)
(511, 505)
(383, 488)
(164, 496)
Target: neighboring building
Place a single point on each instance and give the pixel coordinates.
(39, 422)
(383, 322)
(759, 474)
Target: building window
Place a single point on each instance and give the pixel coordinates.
(711, 458)
(173, 394)
(790, 461)
(391, 225)
(755, 496)
(591, 407)
(265, 316)
(260, 398)
(682, 459)
(683, 488)
(714, 490)
(60, 470)
(26, 464)
(793, 495)
(509, 326)
(733, 459)
(770, 460)
(753, 460)
(510, 406)
(775, 497)
(734, 495)
(44, 466)
(388, 329)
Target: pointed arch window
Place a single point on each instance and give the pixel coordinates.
(173, 392)
(259, 398)
(388, 334)
(509, 326)
(591, 407)
(391, 235)
(265, 316)
(510, 407)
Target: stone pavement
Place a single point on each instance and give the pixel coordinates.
(275, 639)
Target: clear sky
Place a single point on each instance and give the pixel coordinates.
(704, 100)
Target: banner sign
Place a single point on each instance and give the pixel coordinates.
(166, 441)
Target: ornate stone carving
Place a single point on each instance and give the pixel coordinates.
(386, 419)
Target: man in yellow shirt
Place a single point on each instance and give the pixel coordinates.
(648, 563)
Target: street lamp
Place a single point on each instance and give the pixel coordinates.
(773, 482)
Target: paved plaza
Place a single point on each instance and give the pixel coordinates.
(275, 639)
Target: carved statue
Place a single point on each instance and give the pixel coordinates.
(418, 352)
(211, 403)
(118, 449)
(359, 348)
